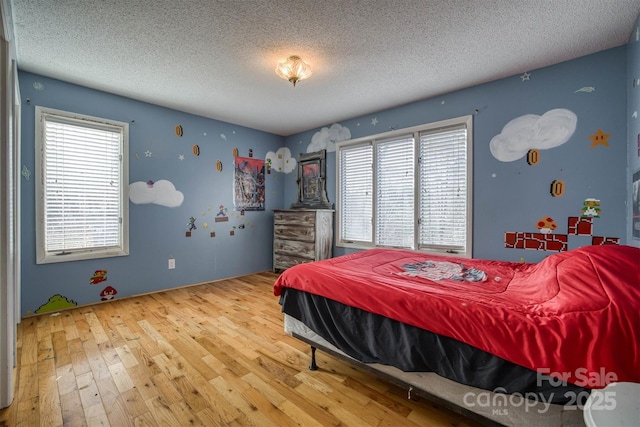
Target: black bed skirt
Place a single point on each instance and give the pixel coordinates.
(372, 338)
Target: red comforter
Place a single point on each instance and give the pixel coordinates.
(574, 315)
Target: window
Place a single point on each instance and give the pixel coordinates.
(409, 188)
(81, 175)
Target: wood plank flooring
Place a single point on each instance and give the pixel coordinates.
(206, 355)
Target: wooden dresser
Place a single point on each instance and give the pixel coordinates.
(301, 235)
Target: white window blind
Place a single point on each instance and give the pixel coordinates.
(443, 189)
(395, 192)
(356, 192)
(421, 195)
(82, 204)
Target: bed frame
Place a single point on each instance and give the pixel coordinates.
(485, 407)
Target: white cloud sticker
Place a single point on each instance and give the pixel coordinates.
(281, 160)
(524, 133)
(161, 193)
(326, 138)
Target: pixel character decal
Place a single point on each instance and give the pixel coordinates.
(591, 208)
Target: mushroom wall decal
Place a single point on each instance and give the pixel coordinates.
(546, 225)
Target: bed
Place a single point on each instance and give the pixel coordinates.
(501, 342)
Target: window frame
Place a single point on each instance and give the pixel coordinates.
(340, 241)
(467, 122)
(122, 249)
(400, 138)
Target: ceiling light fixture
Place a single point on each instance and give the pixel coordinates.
(293, 69)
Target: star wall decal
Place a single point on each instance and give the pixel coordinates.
(181, 157)
(374, 121)
(599, 138)
(147, 153)
(525, 76)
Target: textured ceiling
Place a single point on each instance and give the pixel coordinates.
(217, 58)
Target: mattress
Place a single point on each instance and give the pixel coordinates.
(561, 316)
(372, 338)
(487, 407)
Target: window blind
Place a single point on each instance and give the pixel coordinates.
(443, 189)
(395, 192)
(356, 193)
(415, 194)
(82, 179)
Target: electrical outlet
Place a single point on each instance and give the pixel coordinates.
(172, 263)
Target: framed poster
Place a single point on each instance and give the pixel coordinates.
(249, 189)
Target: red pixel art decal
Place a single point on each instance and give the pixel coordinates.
(536, 241)
(599, 240)
(580, 226)
(547, 241)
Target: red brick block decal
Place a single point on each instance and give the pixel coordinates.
(599, 240)
(535, 241)
(580, 226)
(577, 226)
(514, 240)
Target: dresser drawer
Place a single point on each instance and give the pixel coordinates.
(304, 218)
(306, 234)
(282, 262)
(296, 248)
(300, 236)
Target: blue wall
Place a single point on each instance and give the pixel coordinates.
(510, 197)
(633, 111)
(156, 232)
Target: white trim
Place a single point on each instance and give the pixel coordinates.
(7, 21)
(42, 256)
(469, 252)
(9, 213)
(17, 195)
(338, 231)
(467, 121)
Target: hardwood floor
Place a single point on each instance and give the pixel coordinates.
(210, 355)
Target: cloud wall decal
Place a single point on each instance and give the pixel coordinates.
(326, 138)
(524, 133)
(281, 160)
(161, 193)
